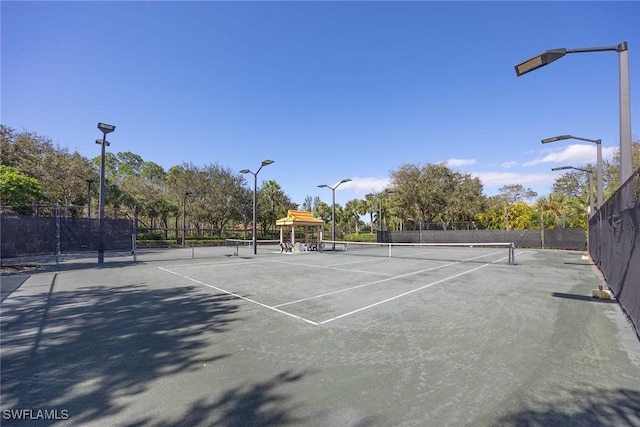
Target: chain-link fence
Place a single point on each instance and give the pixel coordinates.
(614, 235)
(555, 238)
(58, 229)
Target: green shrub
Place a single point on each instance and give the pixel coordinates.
(361, 237)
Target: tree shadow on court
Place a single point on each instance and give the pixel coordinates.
(583, 407)
(83, 350)
(257, 404)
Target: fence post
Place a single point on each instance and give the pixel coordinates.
(134, 234)
(57, 233)
(542, 230)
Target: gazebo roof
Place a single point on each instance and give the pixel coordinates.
(299, 218)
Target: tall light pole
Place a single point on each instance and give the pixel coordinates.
(184, 215)
(598, 143)
(105, 129)
(590, 174)
(333, 210)
(255, 202)
(625, 103)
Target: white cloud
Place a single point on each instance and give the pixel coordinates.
(573, 155)
(508, 165)
(498, 179)
(366, 185)
(460, 162)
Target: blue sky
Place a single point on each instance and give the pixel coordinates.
(328, 90)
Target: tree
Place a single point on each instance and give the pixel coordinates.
(273, 204)
(611, 169)
(433, 192)
(516, 193)
(62, 174)
(18, 190)
(370, 206)
(307, 205)
(353, 209)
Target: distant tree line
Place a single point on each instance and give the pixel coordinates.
(35, 171)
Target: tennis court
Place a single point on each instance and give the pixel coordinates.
(437, 336)
(319, 288)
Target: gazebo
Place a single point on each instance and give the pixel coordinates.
(300, 219)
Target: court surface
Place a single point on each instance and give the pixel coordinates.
(221, 336)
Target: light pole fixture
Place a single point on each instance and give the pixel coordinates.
(625, 103)
(105, 129)
(598, 143)
(255, 201)
(590, 174)
(333, 209)
(184, 215)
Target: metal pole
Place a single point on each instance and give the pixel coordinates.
(184, 222)
(380, 217)
(101, 205)
(591, 209)
(599, 172)
(333, 219)
(255, 212)
(58, 251)
(626, 167)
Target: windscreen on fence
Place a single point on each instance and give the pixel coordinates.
(557, 238)
(33, 235)
(614, 240)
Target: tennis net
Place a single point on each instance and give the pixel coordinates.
(448, 251)
(237, 243)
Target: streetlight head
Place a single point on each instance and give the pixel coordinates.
(106, 143)
(245, 171)
(323, 186)
(560, 168)
(266, 162)
(540, 61)
(105, 128)
(556, 138)
(345, 180)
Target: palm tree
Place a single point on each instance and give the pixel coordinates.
(353, 209)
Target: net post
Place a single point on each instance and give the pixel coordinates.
(512, 253)
(389, 250)
(133, 246)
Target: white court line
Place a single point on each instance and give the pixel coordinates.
(209, 264)
(408, 292)
(373, 257)
(239, 296)
(384, 280)
(331, 267)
